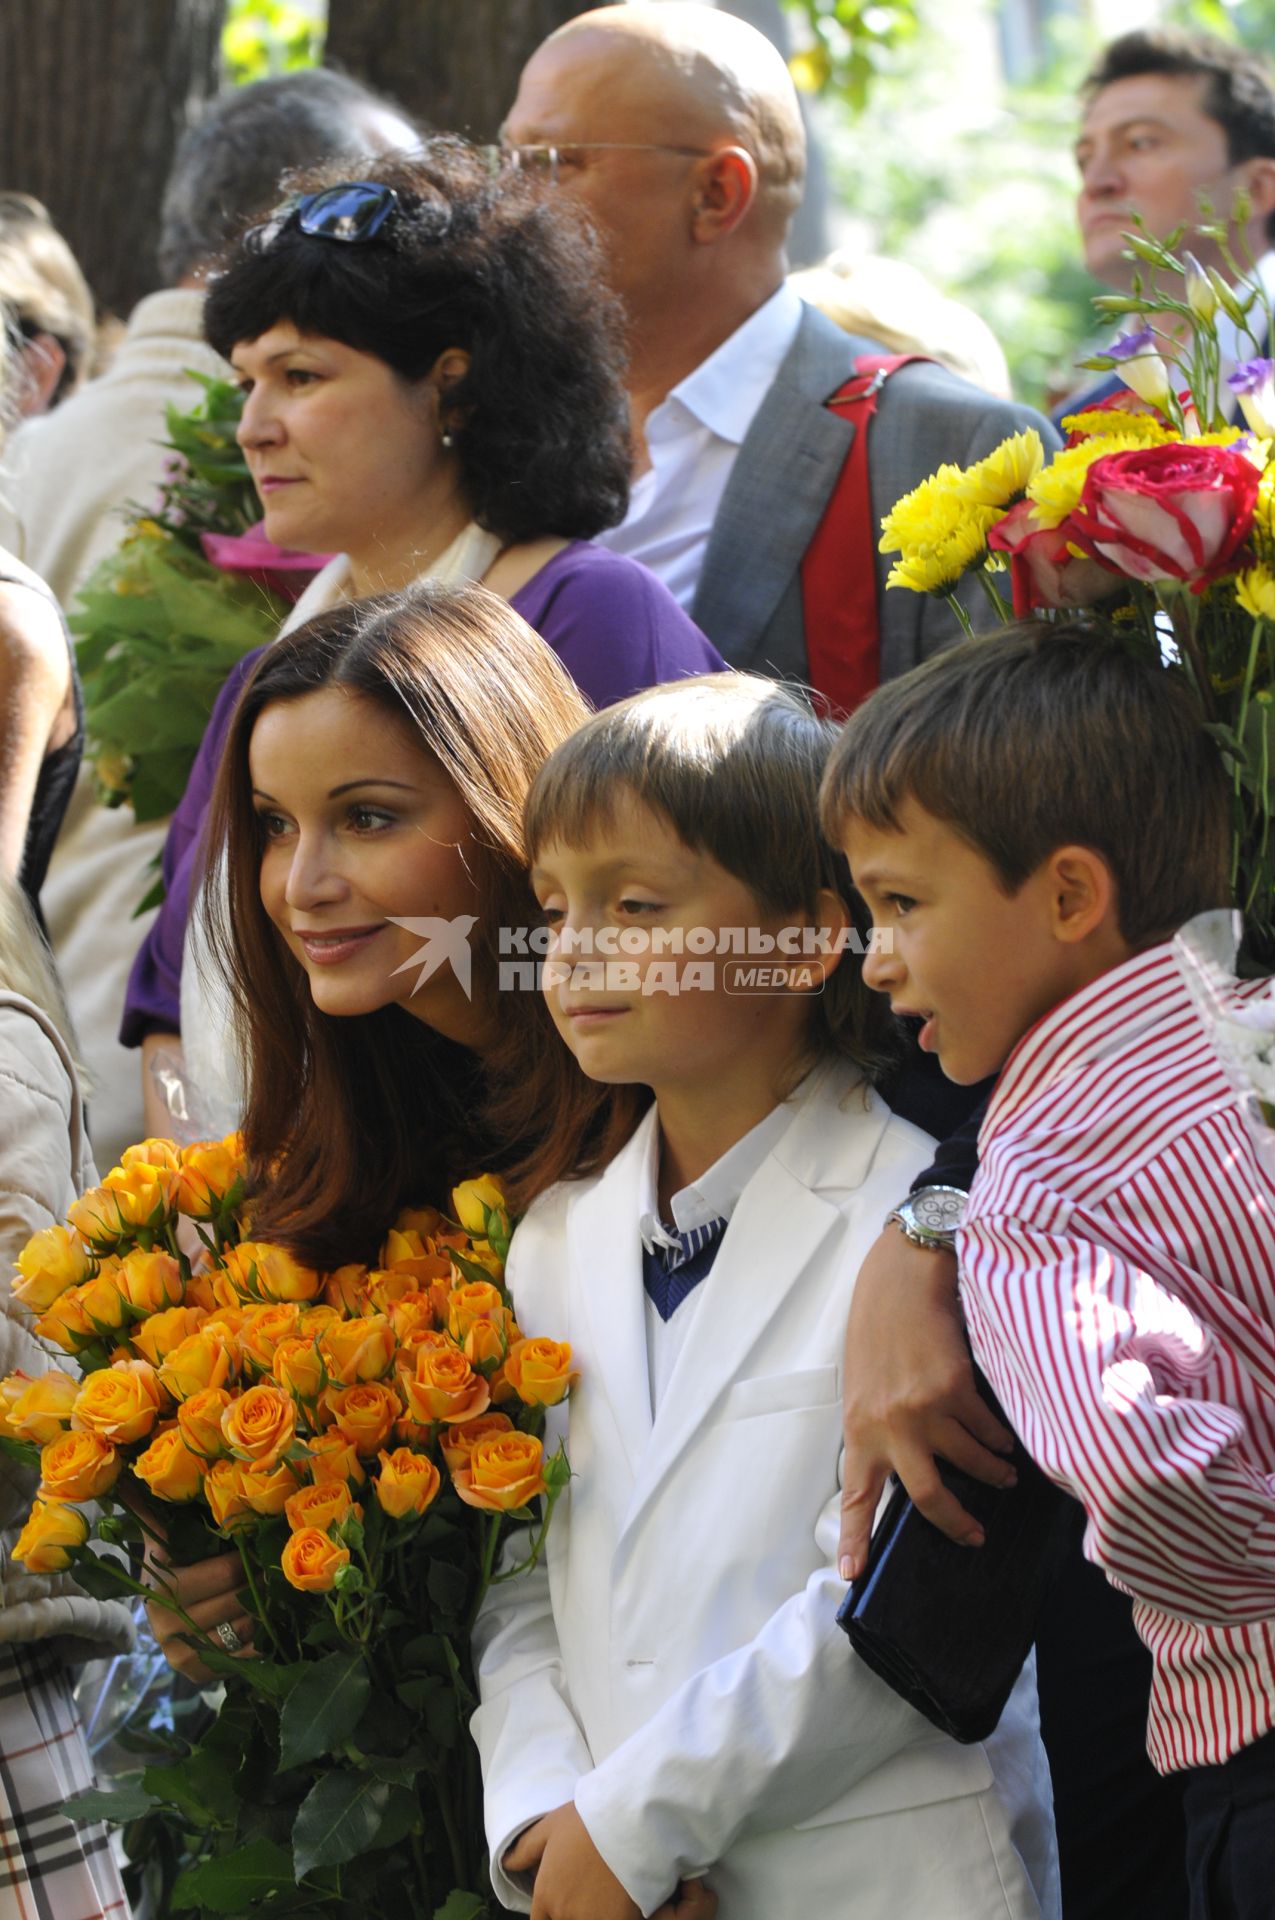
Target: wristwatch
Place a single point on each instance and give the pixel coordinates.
(930, 1216)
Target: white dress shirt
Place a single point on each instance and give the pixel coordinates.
(693, 437)
(714, 1196)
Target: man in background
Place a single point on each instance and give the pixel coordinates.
(1178, 130)
(676, 128)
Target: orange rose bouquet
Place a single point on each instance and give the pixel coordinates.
(1155, 522)
(366, 1438)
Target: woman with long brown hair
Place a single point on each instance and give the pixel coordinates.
(373, 780)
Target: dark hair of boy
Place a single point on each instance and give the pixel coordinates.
(1047, 736)
(1236, 88)
(732, 762)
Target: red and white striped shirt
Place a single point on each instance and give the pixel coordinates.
(1118, 1278)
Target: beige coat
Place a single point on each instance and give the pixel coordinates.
(68, 478)
(44, 1165)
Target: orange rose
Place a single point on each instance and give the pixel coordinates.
(224, 1492)
(267, 1490)
(49, 1263)
(52, 1532)
(384, 1287)
(97, 1215)
(210, 1172)
(145, 1195)
(321, 1505)
(311, 1561)
(199, 1291)
(411, 1253)
(121, 1403)
(12, 1388)
(43, 1408)
(415, 1311)
(101, 1300)
(150, 1281)
(299, 1369)
(504, 1472)
(65, 1324)
(152, 1153)
(199, 1421)
(424, 1222)
(203, 1359)
(444, 1387)
(77, 1466)
(539, 1371)
(466, 1305)
(407, 1483)
(259, 1271)
(458, 1443)
(170, 1469)
(472, 1200)
(333, 1458)
(365, 1413)
(259, 1426)
(360, 1349)
(157, 1337)
(318, 1320)
(264, 1327)
(343, 1290)
(486, 1344)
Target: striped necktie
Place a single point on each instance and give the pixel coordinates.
(669, 1273)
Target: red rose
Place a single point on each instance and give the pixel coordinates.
(1043, 565)
(1177, 512)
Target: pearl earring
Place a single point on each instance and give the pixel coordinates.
(447, 438)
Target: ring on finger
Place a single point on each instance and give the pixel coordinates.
(230, 1640)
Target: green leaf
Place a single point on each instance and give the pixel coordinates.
(323, 1709)
(120, 1805)
(461, 1906)
(199, 1785)
(448, 1586)
(339, 1820)
(103, 1575)
(227, 1883)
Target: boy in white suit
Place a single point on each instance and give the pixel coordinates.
(670, 1697)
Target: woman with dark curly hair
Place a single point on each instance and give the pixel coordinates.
(432, 378)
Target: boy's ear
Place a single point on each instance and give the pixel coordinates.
(1082, 894)
(831, 917)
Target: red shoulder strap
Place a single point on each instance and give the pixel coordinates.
(838, 570)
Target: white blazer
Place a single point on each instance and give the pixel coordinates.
(676, 1668)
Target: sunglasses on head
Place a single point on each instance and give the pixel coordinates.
(352, 211)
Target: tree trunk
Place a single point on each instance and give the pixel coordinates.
(96, 95)
(452, 63)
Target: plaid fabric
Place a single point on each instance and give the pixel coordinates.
(50, 1869)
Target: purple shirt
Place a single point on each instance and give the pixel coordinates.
(613, 625)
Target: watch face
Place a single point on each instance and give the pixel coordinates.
(938, 1210)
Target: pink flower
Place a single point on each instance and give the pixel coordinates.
(1176, 512)
(1044, 567)
(279, 570)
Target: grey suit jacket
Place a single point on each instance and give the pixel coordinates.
(748, 600)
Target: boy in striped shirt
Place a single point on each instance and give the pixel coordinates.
(1032, 818)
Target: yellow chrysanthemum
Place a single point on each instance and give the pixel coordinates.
(1131, 429)
(1255, 591)
(1056, 490)
(937, 535)
(1000, 478)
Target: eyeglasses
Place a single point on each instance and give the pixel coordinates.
(544, 163)
(352, 211)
